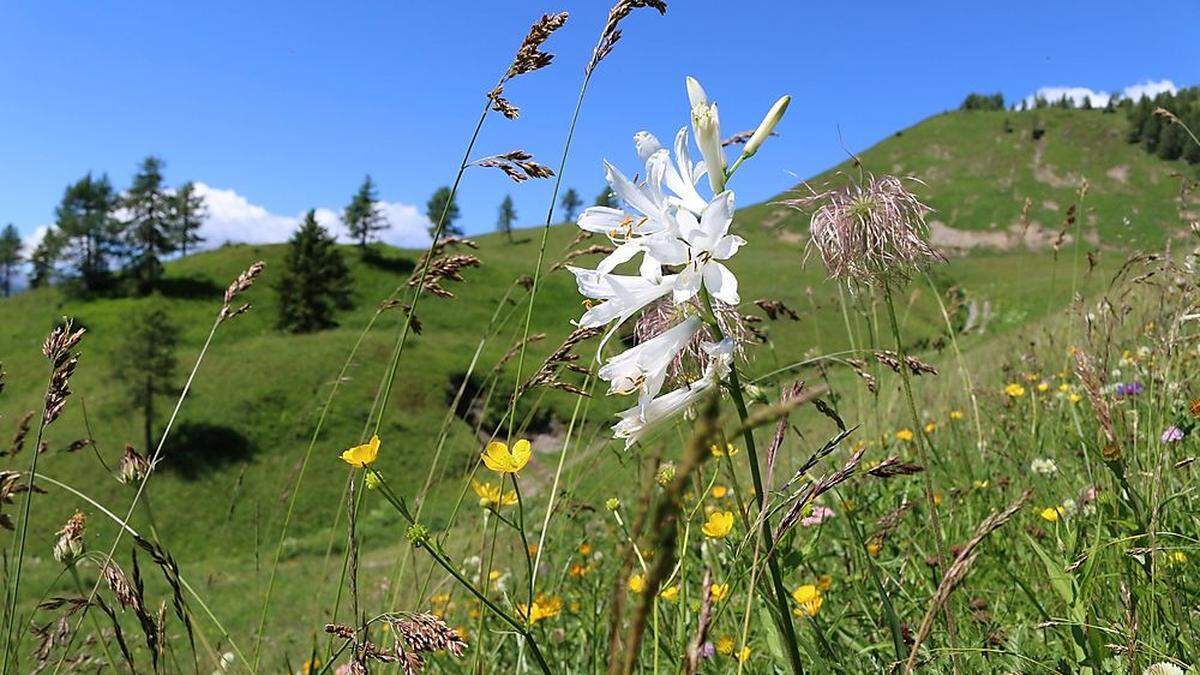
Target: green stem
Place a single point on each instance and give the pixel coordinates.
(782, 616)
(925, 448)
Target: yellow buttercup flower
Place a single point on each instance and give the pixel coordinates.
(1043, 386)
(1051, 513)
(500, 459)
(579, 571)
(905, 435)
(585, 549)
(744, 654)
(489, 495)
(719, 491)
(729, 449)
(1014, 390)
(719, 591)
(956, 414)
(931, 427)
(809, 598)
(362, 455)
(1074, 398)
(544, 607)
(669, 594)
(724, 645)
(719, 525)
(874, 546)
(1032, 377)
(637, 583)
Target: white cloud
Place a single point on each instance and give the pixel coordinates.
(1100, 98)
(232, 217)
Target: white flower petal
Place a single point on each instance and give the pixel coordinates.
(647, 144)
(721, 283)
(602, 219)
(631, 194)
(727, 246)
(687, 285)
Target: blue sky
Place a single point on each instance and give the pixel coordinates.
(283, 106)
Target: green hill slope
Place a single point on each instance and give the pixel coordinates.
(242, 433)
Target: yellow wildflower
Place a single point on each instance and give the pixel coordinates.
(489, 495)
(809, 598)
(1074, 398)
(981, 484)
(1014, 390)
(669, 594)
(612, 503)
(905, 435)
(719, 491)
(719, 525)
(373, 480)
(544, 607)
(825, 582)
(579, 571)
(874, 546)
(931, 427)
(1043, 386)
(956, 414)
(585, 549)
(729, 449)
(500, 459)
(724, 645)
(744, 654)
(1051, 513)
(1032, 377)
(637, 583)
(719, 591)
(1178, 557)
(439, 599)
(1064, 387)
(937, 499)
(362, 455)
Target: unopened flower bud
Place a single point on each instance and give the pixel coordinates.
(706, 125)
(766, 126)
(612, 504)
(666, 474)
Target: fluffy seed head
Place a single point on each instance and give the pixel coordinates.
(869, 232)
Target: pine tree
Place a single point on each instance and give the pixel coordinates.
(43, 260)
(605, 198)
(362, 216)
(315, 280)
(570, 204)
(145, 360)
(88, 231)
(443, 202)
(187, 216)
(508, 216)
(10, 256)
(148, 230)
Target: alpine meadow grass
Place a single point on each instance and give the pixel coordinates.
(649, 456)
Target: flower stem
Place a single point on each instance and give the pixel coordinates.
(782, 616)
(925, 448)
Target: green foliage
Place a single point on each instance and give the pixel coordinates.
(443, 207)
(1163, 134)
(507, 217)
(88, 234)
(362, 216)
(187, 215)
(148, 233)
(605, 198)
(975, 101)
(144, 361)
(10, 257)
(570, 205)
(315, 280)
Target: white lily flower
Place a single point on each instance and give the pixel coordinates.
(640, 419)
(644, 368)
(679, 176)
(706, 123)
(648, 203)
(700, 246)
(622, 296)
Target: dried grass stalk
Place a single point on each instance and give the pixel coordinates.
(517, 165)
(612, 31)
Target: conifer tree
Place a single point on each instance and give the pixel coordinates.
(145, 360)
(43, 260)
(605, 198)
(363, 216)
(148, 230)
(187, 216)
(443, 202)
(507, 217)
(570, 204)
(10, 257)
(88, 232)
(315, 280)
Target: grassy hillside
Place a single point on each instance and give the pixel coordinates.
(233, 458)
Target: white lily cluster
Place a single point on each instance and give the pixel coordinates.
(665, 220)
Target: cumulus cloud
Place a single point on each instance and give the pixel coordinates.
(1100, 98)
(233, 218)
